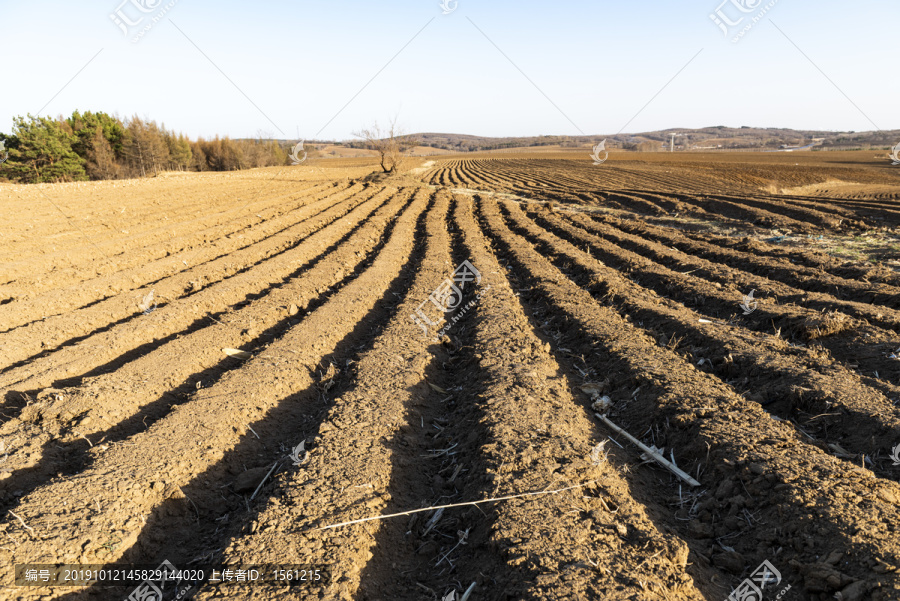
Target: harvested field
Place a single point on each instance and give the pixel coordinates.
(416, 443)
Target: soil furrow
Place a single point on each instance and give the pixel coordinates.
(194, 443)
(483, 169)
(807, 257)
(201, 298)
(116, 405)
(49, 226)
(805, 384)
(164, 262)
(822, 539)
(807, 316)
(804, 213)
(753, 215)
(280, 380)
(786, 272)
(135, 250)
(539, 438)
(387, 391)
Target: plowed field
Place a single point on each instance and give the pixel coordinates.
(304, 306)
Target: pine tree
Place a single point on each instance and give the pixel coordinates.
(87, 125)
(42, 151)
(100, 146)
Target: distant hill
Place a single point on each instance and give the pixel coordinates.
(707, 138)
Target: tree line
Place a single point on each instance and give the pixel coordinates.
(97, 146)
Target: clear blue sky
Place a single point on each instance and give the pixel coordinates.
(599, 62)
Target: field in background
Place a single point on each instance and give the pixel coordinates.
(138, 427)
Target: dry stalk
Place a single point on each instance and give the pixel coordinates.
(433, 521)
(650, 452)
(21, 521)
(452, 505)
(468, 592)
(462, 540)
(263, 481)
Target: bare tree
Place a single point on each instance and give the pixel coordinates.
(101, 159)
(145, 146)
(390, 144)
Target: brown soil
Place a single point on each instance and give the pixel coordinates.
(131, 436)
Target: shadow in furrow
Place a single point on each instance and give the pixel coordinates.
(408, 556)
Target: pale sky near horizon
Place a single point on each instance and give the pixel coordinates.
(318, 69)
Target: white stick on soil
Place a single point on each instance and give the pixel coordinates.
(651, 453)
(475, 503)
